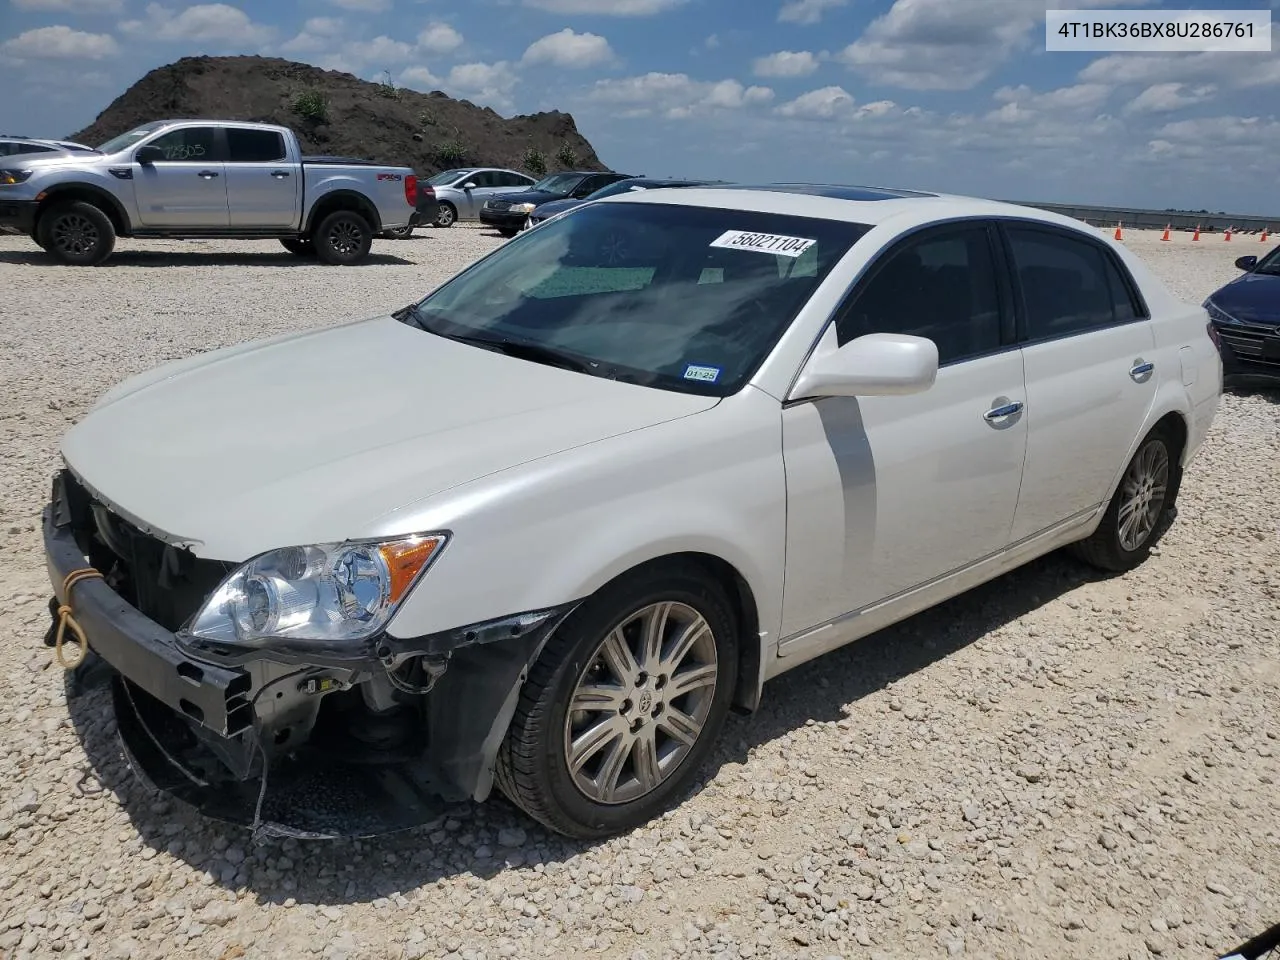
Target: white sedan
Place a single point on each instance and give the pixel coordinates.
(546, 526)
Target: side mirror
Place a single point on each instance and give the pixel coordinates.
(1247, 263)
(469, 185)
(148, 155)
(876, 365)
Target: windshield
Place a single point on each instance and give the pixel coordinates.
(116, 144)
(676, 297)
(445, 176)
(559, 183)
(613, 189)
(1270, 264)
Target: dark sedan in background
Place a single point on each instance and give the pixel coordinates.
(1245, 315)
(509, 212)
(545, 211)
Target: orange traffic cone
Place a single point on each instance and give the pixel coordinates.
(1119, 231)
(1265, 231)
(1196, 236)
(1166, 233)
(1227, 236)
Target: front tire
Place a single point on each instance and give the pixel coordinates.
(343, 238)
(624, 704)
(446, 216)
(1139, 512)
(76, 233)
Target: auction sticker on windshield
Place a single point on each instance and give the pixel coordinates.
(697, 372)
(763, 243)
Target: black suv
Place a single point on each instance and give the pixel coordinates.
(510, 212)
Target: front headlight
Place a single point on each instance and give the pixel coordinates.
(523, 207)
(1217, 313)
(326, 592)
(10, 177)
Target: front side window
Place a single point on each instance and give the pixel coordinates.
(941, 286)
(445, 177)
(116, 144)
(187, 144)
(1066, 283)
(254, 146)
(485, 178)
(675, 297)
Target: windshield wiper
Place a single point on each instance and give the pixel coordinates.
(512, 348)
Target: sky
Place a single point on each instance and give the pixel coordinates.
(951, 95)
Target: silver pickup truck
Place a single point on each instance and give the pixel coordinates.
(208, 179)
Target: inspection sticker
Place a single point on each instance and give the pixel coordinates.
(705, 374)
(763, 243)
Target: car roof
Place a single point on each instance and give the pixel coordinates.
(854, 204)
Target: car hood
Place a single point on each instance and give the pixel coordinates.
(1252, 298)
(310, 438)
(528, 196)
(76, 159)
(553, 207)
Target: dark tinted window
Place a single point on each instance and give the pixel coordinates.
(1068, 284)
(941, 286)
(512, 180)
(254, 146)
(485, 178)
(189, 143)
(34, 148)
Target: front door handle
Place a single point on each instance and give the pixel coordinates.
(206, 174)
(280, 174)
(1002, 411)
(1141, 369)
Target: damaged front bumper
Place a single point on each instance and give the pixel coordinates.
(345, 747)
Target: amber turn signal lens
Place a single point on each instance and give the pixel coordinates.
(405, 560)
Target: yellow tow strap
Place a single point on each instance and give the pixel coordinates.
(66, 618)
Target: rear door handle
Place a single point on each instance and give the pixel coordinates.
(206, 174)
(1141, 368)
(1000, 412)
(280, 174)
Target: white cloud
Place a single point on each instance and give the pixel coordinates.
(205, 22)
(785, 63)
(569, 49)
(71, 6)
(419, 78)
(676, 95)
(822, 104)
(1167, 97)
(59, 43)
(1228, 70)
(439, 38)
(807, 11)
(945, 45)
(316, 35)
(713, 41)
(485, 83)
(1022, 101)
(606, 8)
(378, 51)
(364, 6)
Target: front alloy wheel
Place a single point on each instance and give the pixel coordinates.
(641, 703)
(624, 703)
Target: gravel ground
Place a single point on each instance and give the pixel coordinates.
(1053, 765)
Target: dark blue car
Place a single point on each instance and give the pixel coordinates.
(1246, 317)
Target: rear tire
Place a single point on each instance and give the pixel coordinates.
(446, 216)
(300, 248)
(343, 238)
(76, 233)
(508, 232)
(649, 716)
(399, 233)
(1141, 509)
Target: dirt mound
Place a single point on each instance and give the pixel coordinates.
(340, 114)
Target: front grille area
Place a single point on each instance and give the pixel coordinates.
(1251, 343)
(163, 582)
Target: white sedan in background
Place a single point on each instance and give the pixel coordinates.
(548, 525)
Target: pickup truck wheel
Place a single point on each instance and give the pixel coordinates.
(76, 233)
(343, 237)
(624, 704)
(1137, 516)
(447, 215)
(301, 248)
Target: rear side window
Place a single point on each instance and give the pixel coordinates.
(511, 180)
(1069, 285)
(941, 286)
(254, 146)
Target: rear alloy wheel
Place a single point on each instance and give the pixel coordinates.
(624, 704)
(400, 233)
(343, 238)
(447, 215)
(1136, 517)
(77, 233)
